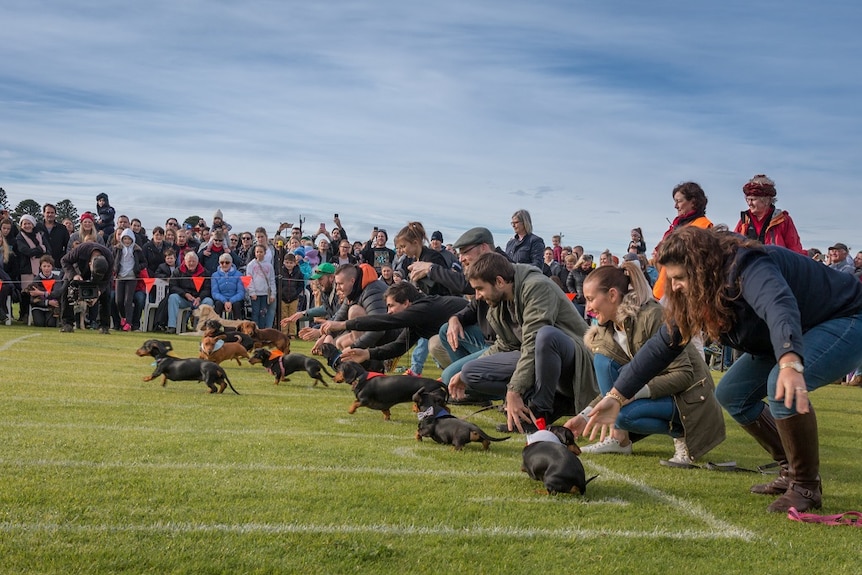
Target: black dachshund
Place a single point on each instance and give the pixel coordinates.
(175, 369)
(378, 391)
(281, 365)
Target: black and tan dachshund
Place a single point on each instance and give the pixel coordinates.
(381, 392)
(175, 369)
(443, 427)
(281, 365)
(550, 456)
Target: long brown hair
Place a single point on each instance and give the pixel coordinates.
(706, 255)
(413, 232)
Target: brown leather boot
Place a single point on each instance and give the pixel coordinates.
(763, 429)
(799, 436)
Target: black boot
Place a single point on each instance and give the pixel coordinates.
(799, 436)
(763, 429)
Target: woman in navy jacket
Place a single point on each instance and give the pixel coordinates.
(798, 323)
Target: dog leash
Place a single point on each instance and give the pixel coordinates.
(851, 518)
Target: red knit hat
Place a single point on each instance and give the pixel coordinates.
(87, 216)
(759, 185)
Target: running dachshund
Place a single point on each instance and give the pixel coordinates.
(281, 365)
(381, 392)
(175, 369)
(443, 427)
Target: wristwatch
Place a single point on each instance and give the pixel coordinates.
(792, 365)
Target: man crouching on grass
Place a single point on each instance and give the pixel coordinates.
(90, 263)
(553, 374)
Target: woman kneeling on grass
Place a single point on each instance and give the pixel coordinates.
(782, 310)
(679, 402)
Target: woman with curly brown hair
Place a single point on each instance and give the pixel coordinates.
(798, 323)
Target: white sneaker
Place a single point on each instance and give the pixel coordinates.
(609, 445)
(681, 457)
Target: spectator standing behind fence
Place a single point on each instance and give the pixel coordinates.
(30, 245)
(762, 221)
(690, 202)
(261, 290)
(525, 247)
(128, 262)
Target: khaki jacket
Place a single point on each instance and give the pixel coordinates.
(687, 379)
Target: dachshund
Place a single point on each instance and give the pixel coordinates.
(267, 336)
(381, 392)
(215, 328)
(217, 351)
(281, 365)
(175, 369)
(443, 427)
(550, 456)
(206, 312)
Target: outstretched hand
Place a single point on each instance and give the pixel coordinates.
(602, 418)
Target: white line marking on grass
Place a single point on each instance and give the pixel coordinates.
(341, 529)
(687, 507)
(313, 469)
(196, 431)
(12, 342)
(720, 529)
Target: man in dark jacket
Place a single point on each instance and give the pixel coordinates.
(89, 262)
(56, 234)
(361, 294)
(417, 315)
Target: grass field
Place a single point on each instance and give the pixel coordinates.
(105, 473)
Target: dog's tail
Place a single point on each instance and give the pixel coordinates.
(227, 379)
(323, 369)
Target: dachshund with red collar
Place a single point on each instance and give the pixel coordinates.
(381, 392)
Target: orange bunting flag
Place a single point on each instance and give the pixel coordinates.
(198, 281)
(49, 285)
(571, 296)
(149, 283)
(246, 281)
(1, 284)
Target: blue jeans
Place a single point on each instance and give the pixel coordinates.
(176, 303)
(262, 312)
(642, 416)
(832, 349)
(470, 347)
(419, 355)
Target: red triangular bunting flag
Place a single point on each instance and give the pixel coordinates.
(1, 284)
(246, 281)
(149, 283)
(198, 281)
(571, 296)
(49, 285)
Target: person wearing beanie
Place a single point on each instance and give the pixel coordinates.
(219, 223)
(86, 233)
(762, 221)
(104, 218)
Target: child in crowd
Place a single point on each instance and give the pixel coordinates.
(104, 218)
(45, 292)
(167, 269)
(291, 285)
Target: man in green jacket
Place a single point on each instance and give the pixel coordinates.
(550, 373)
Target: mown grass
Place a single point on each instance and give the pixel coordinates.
(105, 473)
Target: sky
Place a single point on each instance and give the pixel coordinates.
(452, 113)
